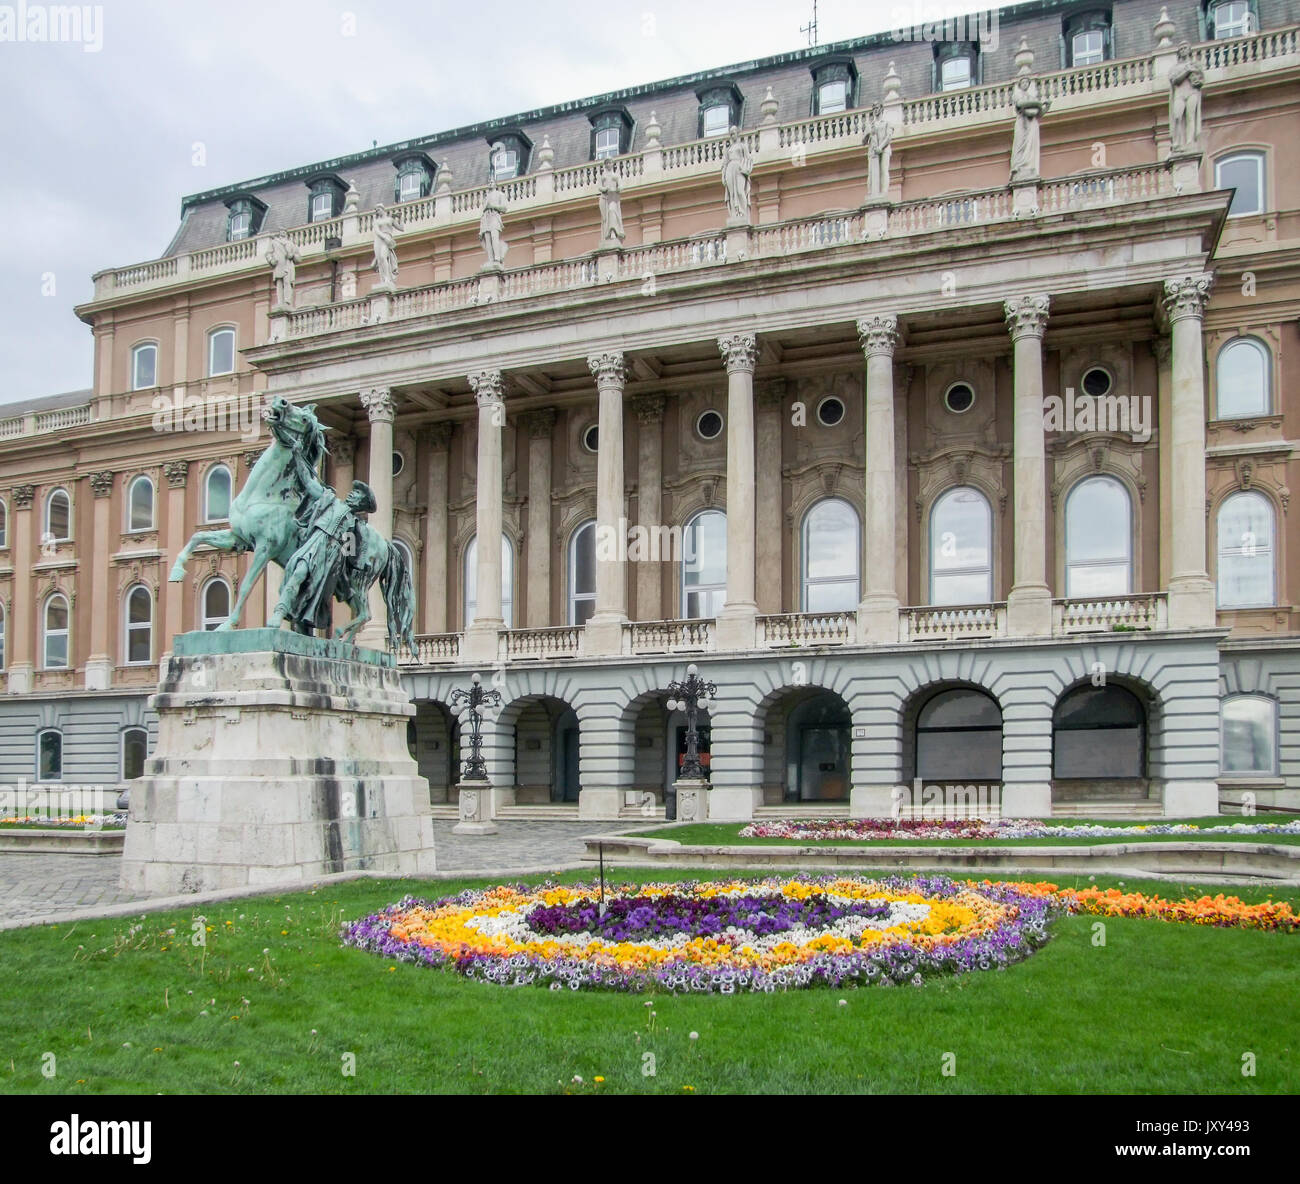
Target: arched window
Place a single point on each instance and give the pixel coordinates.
(1244, 541)
(2, 637)
(49, 755)
(1099, 732)
(959, 737)
(56, 632)
(582, 573)
(961, 548)
(216, 494)
(1244, 172)
(139, 626)
(1249, 736)
(507, 581)
(1242, 379)
(704, 565)
(135, 748)
(1231, 18)
(409, 557)
(139, 514)
(221, 352)
(830, 557)
(1098, 539)
(215, 603)
(4, 525)
(58, 517)
(144, 366)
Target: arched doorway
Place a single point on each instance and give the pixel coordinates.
(957, 737)
(807, 747)
(1099, 733)
(433, 739)
(545, 731)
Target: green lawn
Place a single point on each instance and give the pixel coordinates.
(1158, 1008)
(728, 834)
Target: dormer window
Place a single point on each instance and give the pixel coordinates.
(244, 219)
(1086, 39)
(508, 156)
(1231, 18)
(414, 177)
(956, 65)
(720, 110)
(326, 200)
(834, 84)
(611, 133)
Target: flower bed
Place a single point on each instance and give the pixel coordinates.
(724, 937)
(813, 829)
(59, 822)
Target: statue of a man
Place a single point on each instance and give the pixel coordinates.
(385, 263)
(1185, 82)
(491, 227)
(283, 255)
(879, 141)
(1025, 142)
(736, 168)
(611, 205)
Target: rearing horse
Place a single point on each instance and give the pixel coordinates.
(262, 515)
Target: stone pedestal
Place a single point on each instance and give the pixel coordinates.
(738, 241)
(1186, 168)
(99, 673)
(692, 799)
(1025, 799)
(607, 259)
(476, 813)
(599, 804)
(280, 757)
(1024, 198)
(1190, 799)
(873, 801)
(731, 803)
(875, 218)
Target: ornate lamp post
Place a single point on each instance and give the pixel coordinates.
(689, 695)
(472, 702)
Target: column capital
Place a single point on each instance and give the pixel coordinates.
(378, 402)
(342, 449)
(540, 423)
(607, 368)
(739, 352)
(649, 409)
(436, 436)
(1026, 316)
(1187, 295)
(101, 482)
(878, 335)
(488, 387)
(22, 496)
(178, 473)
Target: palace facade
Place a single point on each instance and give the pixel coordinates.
(954, 473)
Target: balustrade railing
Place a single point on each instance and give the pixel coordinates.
(952, 624)
(798, 629)
(432, 648)
(562, 642)
(1118, 614)
(668, 637)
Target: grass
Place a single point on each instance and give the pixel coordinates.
(728, 834)
(1157, 1009)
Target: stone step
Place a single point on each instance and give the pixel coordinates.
(1103, 809)
(550, 811)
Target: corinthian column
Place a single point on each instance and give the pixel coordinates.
(605, 626)
(481, 634)
(736, 628)
(541, 427)
(437, 442)
(99, 665)
(1029, 606)
(378, 402)
(649, 503)
(878, 610)
(1191, 594)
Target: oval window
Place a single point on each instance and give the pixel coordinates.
(959, 397)
(709, 425)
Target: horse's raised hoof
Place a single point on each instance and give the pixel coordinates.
(177, 573)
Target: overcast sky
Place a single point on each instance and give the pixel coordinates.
(98, 148)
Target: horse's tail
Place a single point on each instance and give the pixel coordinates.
(399, 600)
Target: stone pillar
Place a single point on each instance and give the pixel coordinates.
(1162, 350)
(541, 426)
(378, 402)
(343, 450)
(1191, 594)
(21, 623)
(737, 625)
(1029, 606)
(99, 665)
(649, 501)
(878, 610)
(605, 626)
(173, 617)
(769, 531)
(436, 439)
(481, 634)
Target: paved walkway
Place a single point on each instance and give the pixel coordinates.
(37, 884)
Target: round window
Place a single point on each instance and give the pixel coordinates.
(399, 463)
(1096, 382)
(591, 438)
(830, 411)
(709, 425)
(959, 397)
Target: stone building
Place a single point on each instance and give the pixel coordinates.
(936, 474)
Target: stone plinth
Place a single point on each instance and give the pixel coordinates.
(280, 757)
(476, 809)
(692, 799)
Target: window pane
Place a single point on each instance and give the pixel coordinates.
(4, 526)
(607, 142)
(705, 558)
(138, 648)
(1088, 47)
(584, 560)
(1098, 538)
(50, 755)
(717, 120)
(218, 494)
(135, 747)
(216, 604)
(1243, 380)
(410, 186)
(221, 352)
(146, 367)
(962, 757)
(832, 96)
(1245, 174)
(239, 226)
(1114, 752)
(1248, 735)
(322, 207)
(507, 583)
(831, 538)
(839, 596)
(56, 650)
(1232, 19)
(956, 73)
(59, 516)
(139, 609)
(141, 504)
(1097, 707)
(1245, 552)
(961, 548)
(56, 614)
(960, 709)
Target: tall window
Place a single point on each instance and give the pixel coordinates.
(1231, 18)
(1245, 551)
(215, 603)
(607, 141)
(221, 352)
(139, 626)
(1249, 735)
(1086, 38)
(49, 755)
(704, 565)
(322, 207)
(582, 573)
(144, 366)
(833, 86)
(135, 748)
(55, 641)
(830, 557)
(1098, 539)
(4, 525)
(956, 65)
(216, 494)
(507, 581)
(959, 737)
(1244, 172)
(58, 517)
(409, 558)
(961, 548)
(139, 514)
(1242, 379)
(1099, 732)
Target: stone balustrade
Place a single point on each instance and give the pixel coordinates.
(923, 624)
(799, 629)
(1110, 614)
(564, 641)
(45, 421)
